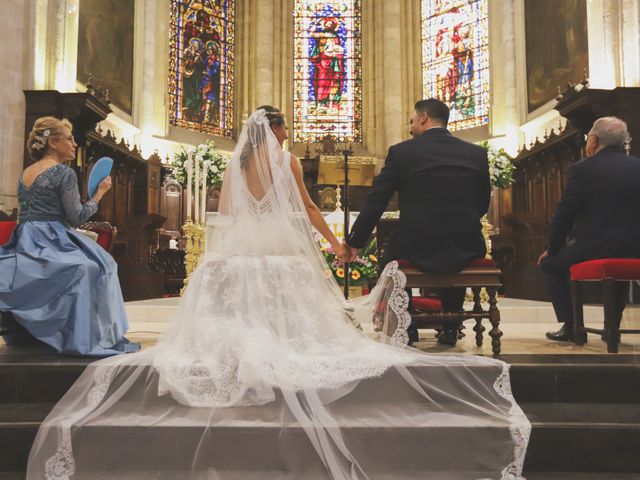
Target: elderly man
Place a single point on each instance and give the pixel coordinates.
(602, 197)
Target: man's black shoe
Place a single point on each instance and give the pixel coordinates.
(565, 334)
(448, 337)
(412, 331)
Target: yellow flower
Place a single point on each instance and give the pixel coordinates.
(373, 258)
(340, 272)
(355, 275)
(327, 273)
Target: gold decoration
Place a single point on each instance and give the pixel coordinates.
(487, 229)
(331, 170)
(194, 248)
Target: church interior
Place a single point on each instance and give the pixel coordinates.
(164, 87)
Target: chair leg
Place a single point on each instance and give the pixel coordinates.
(494, 316)
(610, 313)
(579, 334)
(477, 308)
(461, 329)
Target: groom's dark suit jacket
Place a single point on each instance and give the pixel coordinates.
(444, 190)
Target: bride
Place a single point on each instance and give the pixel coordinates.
(263, 375)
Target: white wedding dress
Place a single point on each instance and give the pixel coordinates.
(263, 375)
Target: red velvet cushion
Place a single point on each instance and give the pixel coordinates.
(6, 228)
(406, 264)
(426, 304)
(482, 263)
(616, 268)
(104, 238)
(476, 263)
(105, 235)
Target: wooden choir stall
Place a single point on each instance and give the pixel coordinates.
(526, 209)
(132, 207)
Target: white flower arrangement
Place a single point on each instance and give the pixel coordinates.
(207, 156)
(501, 166)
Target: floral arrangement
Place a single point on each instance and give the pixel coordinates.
(501, 166)
(363, 268)
(207, 156)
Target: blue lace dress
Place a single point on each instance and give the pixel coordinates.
(59, 285)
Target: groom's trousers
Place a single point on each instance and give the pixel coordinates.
(452, 300)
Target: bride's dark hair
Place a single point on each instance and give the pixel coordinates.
(276, 119)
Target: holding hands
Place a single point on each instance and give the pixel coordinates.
(346, 253)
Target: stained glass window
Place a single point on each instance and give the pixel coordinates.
(327, 70)
(455, 58)
(201, 65)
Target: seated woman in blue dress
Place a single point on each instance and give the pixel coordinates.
(60, 286)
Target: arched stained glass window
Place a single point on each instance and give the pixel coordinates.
(455, 58)
(327, 70)
(201, 65)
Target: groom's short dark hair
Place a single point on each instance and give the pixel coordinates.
(436, 109)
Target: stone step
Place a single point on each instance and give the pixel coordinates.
(276, 475)
(534, 378)
(576, 437)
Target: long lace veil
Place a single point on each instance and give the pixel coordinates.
(262, 375)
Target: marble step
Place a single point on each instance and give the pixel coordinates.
(155, 313)
(566, 437)
(534, 378)
(275, 475)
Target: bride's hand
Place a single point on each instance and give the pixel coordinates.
(340, 250)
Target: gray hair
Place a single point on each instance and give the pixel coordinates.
(611, 132)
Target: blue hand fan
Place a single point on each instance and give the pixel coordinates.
(101, 170)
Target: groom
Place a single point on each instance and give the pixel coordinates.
(444, 190)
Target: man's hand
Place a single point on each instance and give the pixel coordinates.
(352, 253)
(542, 256)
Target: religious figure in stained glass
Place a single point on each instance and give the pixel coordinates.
(455, 58)
(201, 65)
(328, 58)
(327, 70)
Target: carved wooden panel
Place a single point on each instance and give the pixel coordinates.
(541, 174)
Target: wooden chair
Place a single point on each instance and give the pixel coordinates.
(480, 273)
(608, 271)
(107, 233)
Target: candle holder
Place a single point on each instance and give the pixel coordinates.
(194, 248)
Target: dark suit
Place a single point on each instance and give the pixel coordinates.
(444, 190)
(602, 197)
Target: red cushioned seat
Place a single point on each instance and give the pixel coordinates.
(482, 263)
(475, 263)
(614, 268)
(6, 229)
(106, 233)
(426, 304)
(104, 238)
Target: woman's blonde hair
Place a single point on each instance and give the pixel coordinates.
(43, 129)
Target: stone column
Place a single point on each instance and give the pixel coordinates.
(630, 44)
(506, 109)
(391, 46)
(17, 36)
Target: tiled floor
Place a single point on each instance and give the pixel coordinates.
(523, 322)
